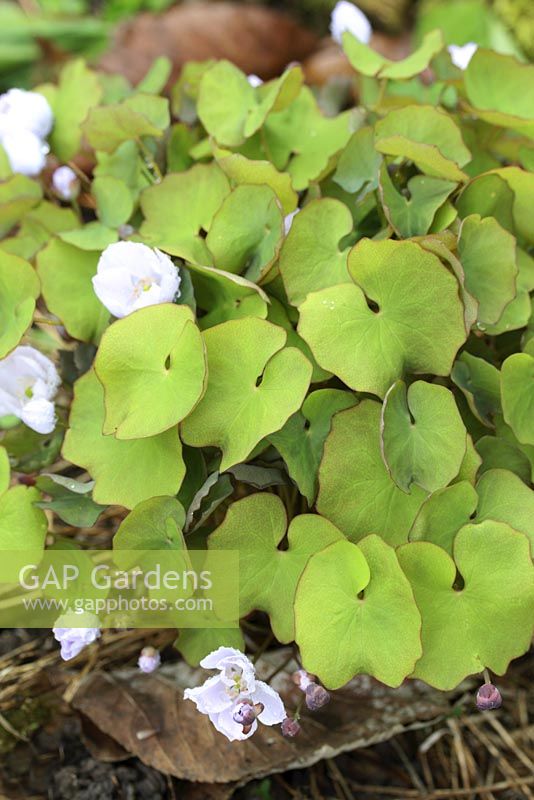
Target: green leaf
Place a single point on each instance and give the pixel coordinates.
(490, 196)
(114, 201)
(226, 296)
(125, 472)
(246, 232)
(139, 115)
(355, 490)
(65, 274)
(443, 514)
(301, 141)
(245, 171)
(368, 62)
(19, 289)
(426, 136)
(489, 621)
(359, 163)
(521, 183)
(154, 524)
(93, 236)
(5, 470)
(498, 453)
(23, 526)
(268, 576)
(196, 643)
(17, 195)
(214, 491)
(73, 507)
(78, 91)
(231, 110)
(179, 208)
(423, 437)
(501, 90)
(401, 315)
(355, 613)
(254, 385)
(152, 367)
(300, 442)
(517, 389)
(487, 254)
(157, 76)
(311, 257)
(413, 215)
(480, 383)
(505, 498)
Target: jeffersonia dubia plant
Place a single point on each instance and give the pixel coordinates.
(345, 395)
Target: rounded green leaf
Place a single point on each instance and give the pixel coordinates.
(196, 643)
(487, 254)
(152, 367)
(254, 385)
(355, 612)
(78, 91)
(498, 453)
(355, 490)
(480, 383)
(368, 62)
(311, 257)
(125, 472)
(517, 390)
(5, 470)
(23, 526)
(154, 524)
(65, 273)
(246, 232)
(426, 136)
(17, 195)
(179, 208)
(486, 623)
(443, 514)
(19, 289)
(245, 171)
(401, 315)
(413, 215)
(505, 498)
(268, 575)
(114, 200)
(423, 437)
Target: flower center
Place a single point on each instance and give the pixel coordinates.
(29, 392)
(142, 285)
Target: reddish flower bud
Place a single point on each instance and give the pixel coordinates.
(290, 727)
(488, 697)
(316, 696)
(245, 713)
(303, 679)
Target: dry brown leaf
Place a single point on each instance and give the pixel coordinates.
(259, 40)
(187, 746)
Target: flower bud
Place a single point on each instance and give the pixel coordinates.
(316, 696)
(149, 659)
(290, 727)
(245, 713)
(303, 679)
(66, 184)
(488, 697)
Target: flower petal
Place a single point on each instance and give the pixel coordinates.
(225, 724)
(273, 707)
(211, 697)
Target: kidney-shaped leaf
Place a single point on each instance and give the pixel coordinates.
(517, 390)
(486, 623)
(443, 514)
(154, 524)
(423, 437)
(367, 61)
(19, 289)
(268, 575)
(401, 315)
(505, 498)
(152, 367)
(125, 472)
(355, 490)
(355, 612)
(254, 385)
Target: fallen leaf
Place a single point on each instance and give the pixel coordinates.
(259, 40)
(187, 746)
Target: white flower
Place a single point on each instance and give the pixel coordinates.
(149, 659)
(348, 17)
(254, 80)
(25, 151)
(462, 55)
(288, 220)
(227, 697)
(131, 276)
(29, 111)
(28, 384)
(65, 183)
(73, 640)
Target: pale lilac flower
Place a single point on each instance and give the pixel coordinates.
(288, 220)
(28, 384)
(73, 640)
(224, 696)
(348, 17)
(26, 153)
(254, 81)
(131, 275)
(29, 111)
(66, 183)
(461, 55)
(149, 659)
